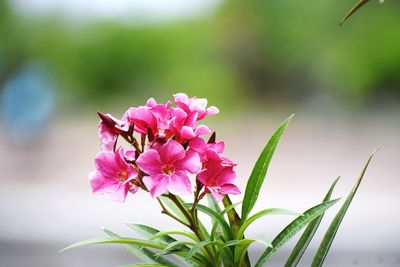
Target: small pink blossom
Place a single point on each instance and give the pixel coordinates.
(168, 168)
(217, 177)
(195, 108)
(109, 129)
(113, 175)
(207, 150)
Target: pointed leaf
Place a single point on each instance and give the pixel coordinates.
(272, 211)
(260, 170)
(143, 253)
(308, 234)
(334, 226)
(360, 4)
(293, 228)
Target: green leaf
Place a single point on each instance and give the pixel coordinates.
(171, 205)
(174, 232)
(218, 217)
(149, 232)
(109, 240)
(143, 253)
(262, 213)
(196, 248)
(334, 226)
(175, 246)
(260, 170)
(308, 234)
(293, 228)
(360, 4)
(222, 213)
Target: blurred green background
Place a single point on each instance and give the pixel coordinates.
(246, 52)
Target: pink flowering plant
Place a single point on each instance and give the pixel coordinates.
(173, 157)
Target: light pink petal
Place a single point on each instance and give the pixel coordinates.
(151, 102)
(203, 177)
(218, 147)
(216, 195)
(187, 133)
(133, 188)
(202, 129)
(107, 137)
(157, 185)
(229, 189)
(197, 104)
(130, 155)
(212, 111)
(190, 163)
(180, 184)
(181, 98)
(170, 152)
(149, 162)
(160, 113)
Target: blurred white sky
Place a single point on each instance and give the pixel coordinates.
(125, 10)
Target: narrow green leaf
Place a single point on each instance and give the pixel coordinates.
(175, 232)
(357, 6)
(222, 213)
(175, 246)
(258, 215)
(218, 217)
(293, 228)
(308, 233)
(334, 226)
(143, 253)
(109, 240)
(171, 205)
(260, 170)
(196, 248)
(149, 232)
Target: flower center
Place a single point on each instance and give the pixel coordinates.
(122, 175)
(168, 169)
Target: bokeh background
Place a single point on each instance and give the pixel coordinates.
(258, 61)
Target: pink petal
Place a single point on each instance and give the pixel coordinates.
(202, 129)
(157, 185)
(149, 162)
(212, 111)
(190, 163)
(216, 195)
(105, 163)
(180, 184)
(229, 189)
(107, 186)
(227, 175)
(170, 152)
(187, 133)
(151, 102)
(181, 98)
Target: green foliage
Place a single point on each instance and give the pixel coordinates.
(226, 244)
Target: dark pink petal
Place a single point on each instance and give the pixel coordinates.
(226, 175)
(170, 152)
(157, 185)
(190, 163)
(179, 184)
(107, 137)
(160, 113)
(203, 177)
(229, 189)
(149, 162)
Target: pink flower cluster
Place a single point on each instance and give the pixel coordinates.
(167, 146)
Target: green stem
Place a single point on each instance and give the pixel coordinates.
(193, 225)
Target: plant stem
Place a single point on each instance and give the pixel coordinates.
(193, 224)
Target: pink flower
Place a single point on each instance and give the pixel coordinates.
(113, 175)
(109, 129)
(218, 177)
(194, 107)
(168, 168)
(207, 150)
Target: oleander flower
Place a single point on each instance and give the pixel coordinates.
(218, 176)
(168, 168)
(113, 177)
(206, 150)
(195, 108)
